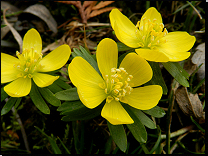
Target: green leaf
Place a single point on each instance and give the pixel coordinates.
(155, 112)
(82, 113)
(177, 72)
(85, 55)
(143, 118)
(137, 128)
(123, 47)
(38, 100)
(49, 96)
(54, 88)
(119, 136)
(62, 84)
(8, 106)
(157, 78)
(68, 94)
(52, 142)
(108, 145)
(70, 106)
(4, 95)
(18, 102)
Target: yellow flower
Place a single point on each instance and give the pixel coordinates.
(151, 40)
(30, 64)
(116, 84)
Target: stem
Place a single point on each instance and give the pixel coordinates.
(22, 129)
(175, 85)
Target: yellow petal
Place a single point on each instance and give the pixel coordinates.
(107, 56)
(152, 55)
(122, 21)
(124, 29)
(8, 72)
(87, 81)
(138, 67)
(44, 80)
(178, 41)
(129, 39)
(115, 113)
(177, 45)
(32, 39)
(145, 98)
(19, 87)
(91, 97)
(151, 14)
(55, 59)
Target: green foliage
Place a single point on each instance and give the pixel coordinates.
(68, 94)
(157, 78)
(175, 69)
(38, 99)
(8, 106)
(119, 136)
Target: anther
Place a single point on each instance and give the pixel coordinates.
(26, 69)
(113, 70)
(149, 45)
(152, 38)
(117, 99)
(143, 38)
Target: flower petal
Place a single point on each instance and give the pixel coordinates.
(124, 29)
(44, 80)
(8, 72)
(151, 14)
(177, 45)
(87, 81)
(152, 55)
(19, 87)
(145, 98)
(55, 59)
(178, 41)
(129, 39)
(122, 21)
(115, 113)
(32, 39)
(138, 67)
(107, 56)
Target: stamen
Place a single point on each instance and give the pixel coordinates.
(26, 69)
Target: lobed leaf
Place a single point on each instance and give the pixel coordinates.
(155, 112)
(8, 106)
(143, 118)
(157, 78)
(119, 136)
(38, 100)
(177, 72)
(49, 96)
(68, 94)
(137, 128)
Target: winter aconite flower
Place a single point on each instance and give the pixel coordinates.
(151, 40)
(30, 64)
(116, 84)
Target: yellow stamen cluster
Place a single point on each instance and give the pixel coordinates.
(117, 85)
(150, 33)
(29, 62)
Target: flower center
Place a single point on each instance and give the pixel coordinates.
(150, 33)
(29, 62)
(117, 85)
